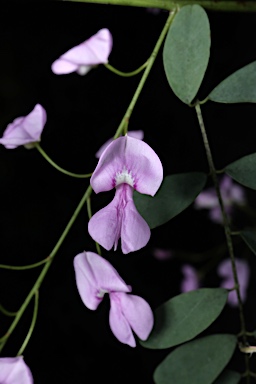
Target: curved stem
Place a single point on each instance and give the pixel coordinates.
(126, 74)
(7, 313)
(23, 267)
(77, 175)
(32, 326)
(144, 77)
(44, 271)
(224, 215)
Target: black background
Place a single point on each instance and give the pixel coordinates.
(71, 344)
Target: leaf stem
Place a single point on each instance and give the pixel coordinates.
(7, 313)
(47, 158)
(144, 77)
(126, 74)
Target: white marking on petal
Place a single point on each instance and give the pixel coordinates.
(101, 293)
(124, 177)
(83, 69)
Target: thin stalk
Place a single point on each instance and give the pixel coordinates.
(213, 5)
(126, 74)
(7, 313)
(56, 166)
(44, 271)
(24, 267)
(144, 77)
(32, 326)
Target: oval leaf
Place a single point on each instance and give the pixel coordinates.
(244, 170)
(186, 51)
(199, 361)
(176, 193)
(238, 87)
(249, 237)
(185, 316)
(228, 377)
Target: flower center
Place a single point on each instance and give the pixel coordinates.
(124, 176)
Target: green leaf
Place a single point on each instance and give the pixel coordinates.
(238, 87)
(197, 362)
(244, 170)
(186, 51)
(185, 316)
(228, 377)
(176, 193)
(249, 237)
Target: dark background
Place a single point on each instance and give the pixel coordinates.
(71, 344)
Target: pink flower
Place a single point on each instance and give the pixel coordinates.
(84, 56)
(162, 254)
(13, 370)
(243, 273)
(190, 281)
(25, 130)
(95, 276)
(231, 194)
(126, 164)
(136, 134)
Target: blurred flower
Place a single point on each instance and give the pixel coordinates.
(243, 274)
(13, 370)
(84, 56)
(162, 254)
(126, 164)
(25, 130)
(95, 276)
(154, 11)
(231, 194)
(190, 280)
(135, 134)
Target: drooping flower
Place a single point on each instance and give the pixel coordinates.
(231, 194)
(190, 280)
(243, 274)
(86, 55)
(136, 134)
(25, 130)
(95, 276)
(13, 370)
(126, 164)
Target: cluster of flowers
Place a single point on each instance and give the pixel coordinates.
(125, 164)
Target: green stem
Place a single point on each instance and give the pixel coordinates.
(213, 5)
(126, 74)
(45, 269)
(144, 77)
(77, 175)
(23, 267)
(7, 313)
(32, 326)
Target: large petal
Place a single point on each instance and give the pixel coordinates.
(93, 51)
(25, 130)
(135, 232)
(94, 276)
(136, 134)
(135, 157)
(138, 314)
(117, 321)
(13, 370)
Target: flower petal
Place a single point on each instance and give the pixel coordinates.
(190, 281)
(136, 134)
(206, 199)
(94, 275)
(25, 130)
(135, 232)
(133, 155)
(138, 314)
(13, 370)
(118, 323)
(93, 51)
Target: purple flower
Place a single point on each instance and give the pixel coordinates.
(190, 280)
(84, 56)
(25, 130)
(95, 276)
(136, 134)
(13, 370)
(231, 194)
(243, 273)
(126, 164)
(162, 254)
